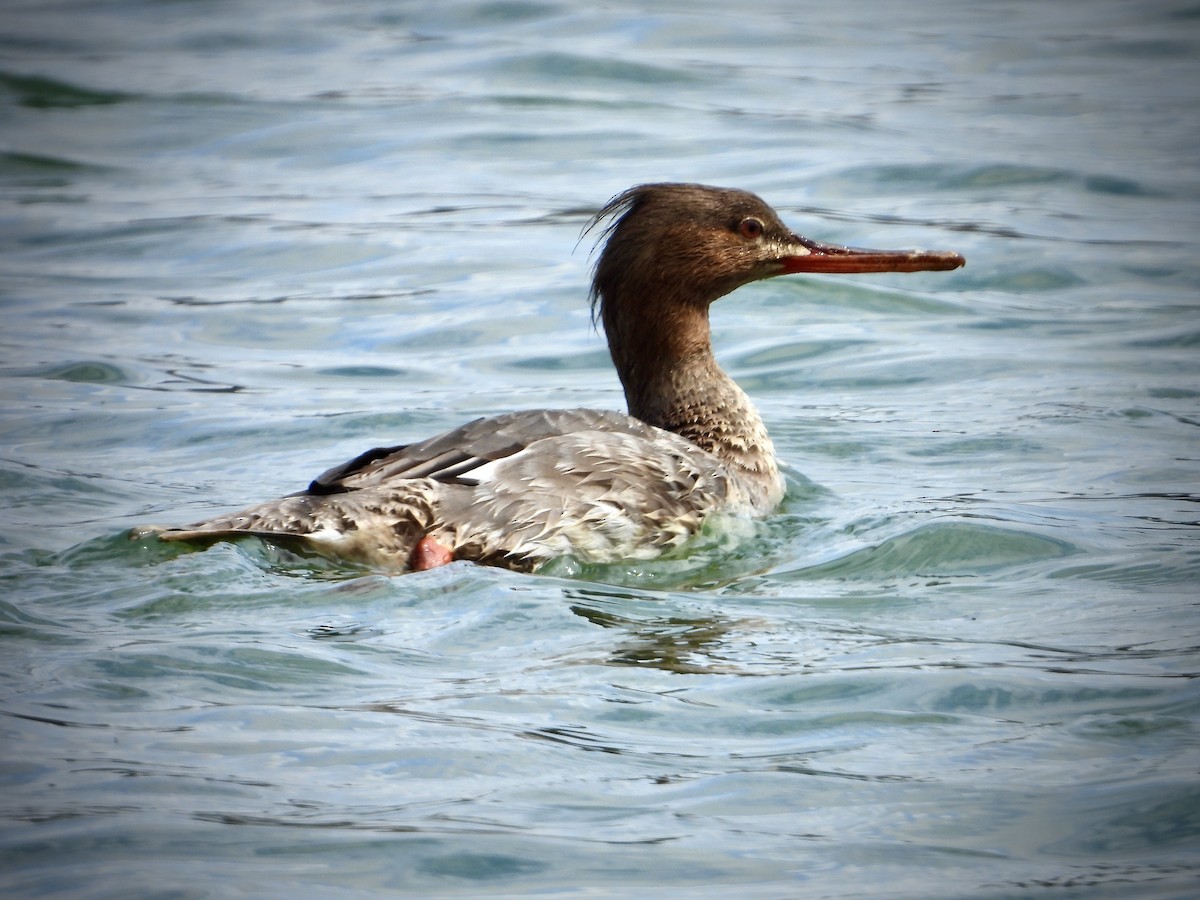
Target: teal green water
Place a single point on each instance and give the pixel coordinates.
(241, 242)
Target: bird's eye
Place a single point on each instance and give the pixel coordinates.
(750, 228)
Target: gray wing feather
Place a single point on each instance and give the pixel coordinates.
(453, 454)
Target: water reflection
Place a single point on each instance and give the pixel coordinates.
(671, 643)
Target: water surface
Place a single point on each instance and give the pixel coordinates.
(239, 244)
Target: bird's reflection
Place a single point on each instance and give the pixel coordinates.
(673, 643)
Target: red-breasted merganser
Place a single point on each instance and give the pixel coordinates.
(516, 490)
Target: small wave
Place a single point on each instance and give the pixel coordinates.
(941, 549)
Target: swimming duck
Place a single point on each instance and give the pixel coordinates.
(518, 489)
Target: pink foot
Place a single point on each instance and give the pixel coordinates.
(429, 554)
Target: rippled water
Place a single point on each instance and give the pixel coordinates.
(242, 242)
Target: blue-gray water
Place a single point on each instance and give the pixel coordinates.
(241, 242)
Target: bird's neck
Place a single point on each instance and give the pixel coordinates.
(673, 381)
